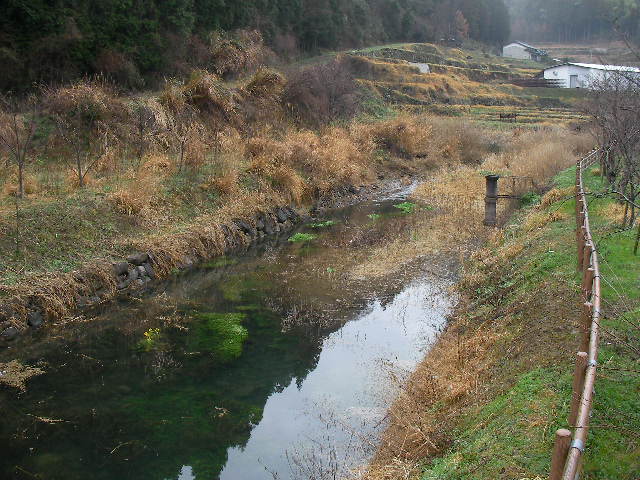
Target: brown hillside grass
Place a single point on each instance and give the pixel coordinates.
(457, 190)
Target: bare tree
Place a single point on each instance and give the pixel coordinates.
(84, 115)
(614, 107)
(18, 123)
(181, 119)
(144, 128)
(322, 94)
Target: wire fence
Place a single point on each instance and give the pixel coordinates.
(569, 446)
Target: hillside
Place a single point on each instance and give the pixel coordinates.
(470, 83)
(138, 43)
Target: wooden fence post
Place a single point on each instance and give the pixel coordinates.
(560, 450)
(581, 244)
(586, 257)
(585, 325)
(587, 284)
(578, 384)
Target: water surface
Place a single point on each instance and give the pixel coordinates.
(273, 363)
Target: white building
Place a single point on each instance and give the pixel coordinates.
(583, 75)
(523, 51)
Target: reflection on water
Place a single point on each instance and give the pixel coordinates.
(344, 399)
(271, 364)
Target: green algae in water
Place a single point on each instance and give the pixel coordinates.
(328, 223)
(237, 288)
(220, 262)
(409, 207)
(302, 237)
(232, 289)
(406, 207)
(248, 308)
(221, 334)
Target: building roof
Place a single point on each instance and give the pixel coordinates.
(530, 48)
(526, 45)
(596, 66)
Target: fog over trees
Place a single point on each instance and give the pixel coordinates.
(574, 21)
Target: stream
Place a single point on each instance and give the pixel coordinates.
(273, 363)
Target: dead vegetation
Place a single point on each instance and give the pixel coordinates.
(457, 190)
(15, 375)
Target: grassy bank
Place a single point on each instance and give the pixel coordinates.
(487, 400)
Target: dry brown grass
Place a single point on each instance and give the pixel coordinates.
(555, 195)
(31, 185)
(304, 162)
(535, 155)
(208, 94)
(539, 220)
(444, 380)
(135, 197)
(614, 212)
(403, 135)
(15, 375)
(73, 182)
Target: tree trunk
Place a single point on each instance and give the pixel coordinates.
(21, 179)
(79, 171)
(182, 148)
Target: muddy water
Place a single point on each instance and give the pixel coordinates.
(274, 363)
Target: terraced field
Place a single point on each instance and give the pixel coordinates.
(470, 83)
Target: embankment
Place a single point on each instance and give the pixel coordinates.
(486, 401)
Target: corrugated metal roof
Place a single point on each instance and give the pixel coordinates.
(527, 45)
(596, 66)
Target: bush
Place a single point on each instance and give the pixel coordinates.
(119, 68)
(322, 94)
(238, 52)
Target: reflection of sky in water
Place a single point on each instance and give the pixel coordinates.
(346, 396)
(186, 473)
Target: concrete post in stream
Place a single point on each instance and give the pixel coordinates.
(491, 201)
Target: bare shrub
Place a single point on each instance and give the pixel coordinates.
(181, 121)
(86, 115)
(18, 122)
(237, 52)
(144, 127)
(322, 94)
(116, 66)
(136, 197)
(614, 107)
(403, 136)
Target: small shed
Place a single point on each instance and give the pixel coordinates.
(524, 51)
(585, 75)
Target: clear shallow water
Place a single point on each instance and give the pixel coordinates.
(346, 396)
(182, 402)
